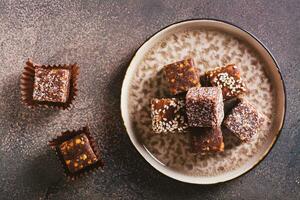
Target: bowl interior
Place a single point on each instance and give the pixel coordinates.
(189, 39)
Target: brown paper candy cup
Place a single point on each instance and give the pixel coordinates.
(55, 143)
(27, 84)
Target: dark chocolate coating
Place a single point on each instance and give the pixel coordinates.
(181, 76)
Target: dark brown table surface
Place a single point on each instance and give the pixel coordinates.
(102, 36)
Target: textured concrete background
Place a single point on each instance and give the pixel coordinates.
(102, 36)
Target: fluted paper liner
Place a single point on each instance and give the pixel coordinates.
(67, 135)
(27, 85)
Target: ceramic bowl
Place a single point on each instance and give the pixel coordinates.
(211, 43)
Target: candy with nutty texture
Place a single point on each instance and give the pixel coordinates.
(204, 106)
(51, 84)
(206, 140)
(228, 78)
(77, 153)
(168, 115)
(244, 121)
(181, 76)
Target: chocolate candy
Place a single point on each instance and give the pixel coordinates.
(181, 76)
(168, 115)
(244, 121)
(205, 140)
(77, 153)
(51, 84)
(204, 106)
(228, 78)
(47, 86)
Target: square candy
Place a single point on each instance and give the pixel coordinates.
(168, 115)
(51, 84)
(204, 106)
(181, 76)
(228, 78)
(244, 121)
(206, 140)
(77, 153)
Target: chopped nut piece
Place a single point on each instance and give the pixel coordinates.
(78, 141)
(83, 156)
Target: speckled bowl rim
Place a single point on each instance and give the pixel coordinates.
(148, 157)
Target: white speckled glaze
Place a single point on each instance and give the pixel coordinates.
(211, 44)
